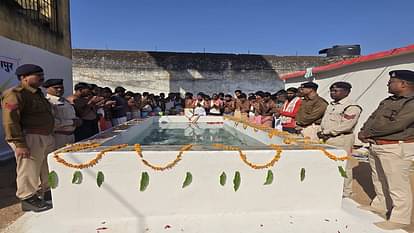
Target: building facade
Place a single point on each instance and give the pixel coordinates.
(368, 75)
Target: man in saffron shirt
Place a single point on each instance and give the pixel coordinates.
(289, 110)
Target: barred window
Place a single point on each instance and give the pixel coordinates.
(43, 12)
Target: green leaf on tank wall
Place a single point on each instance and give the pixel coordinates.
(100, 178)
(223, 179)
(236, 181)
(342, 172)
(269, 178)
(302, 174)
(77, 177)
(144, 181)
(53, 179)
(188, 179)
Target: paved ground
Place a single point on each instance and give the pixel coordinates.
(9, 205)
(10, 208)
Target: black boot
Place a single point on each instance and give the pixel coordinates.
(35, 204)
(47, 196)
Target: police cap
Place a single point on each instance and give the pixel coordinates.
(52, 82)
(28, 69)
(406, 75)
(311, 85)
(343, 85)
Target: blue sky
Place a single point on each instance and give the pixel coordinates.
(286, 27)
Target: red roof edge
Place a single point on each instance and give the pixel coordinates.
(370, 57)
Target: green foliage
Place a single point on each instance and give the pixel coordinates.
(302, 174)
(77, 177)
(144, 181)
(236, 181)
(223, 179)
(269, 178)
(188, 180)
(342, 172)
(100, 178)
(53, 179)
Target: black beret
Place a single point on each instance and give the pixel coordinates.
(407, 75)
(53, 82)
(311, 85)
(343, 85)
(28, 69)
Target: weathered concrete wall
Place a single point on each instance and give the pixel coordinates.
(19, 27)
(181, 72)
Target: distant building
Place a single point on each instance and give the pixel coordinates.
(368, 75)
(37, 32)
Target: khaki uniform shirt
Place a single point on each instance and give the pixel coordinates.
(392, 120)
(340, 117)
(24, 107)
(64, 113)
(311, 111)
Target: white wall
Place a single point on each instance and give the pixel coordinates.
(161, 80)
(120, 196)
(55, 66)
(368, 79)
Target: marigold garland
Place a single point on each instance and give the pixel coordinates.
(79, 147)
(287, 138)
(170, 165)
(243, 156)
(325, 152)
(270, 131)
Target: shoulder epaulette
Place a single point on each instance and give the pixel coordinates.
(352, 105)
(17, 89)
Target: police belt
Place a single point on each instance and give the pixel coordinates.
(387, 142)
(304, 126)
(37, 131)
(334, 136)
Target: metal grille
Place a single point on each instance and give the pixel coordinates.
(43, 12)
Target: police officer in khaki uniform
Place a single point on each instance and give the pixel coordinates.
(64, 113)
(390, 132)
(310, 113)
(337, 126)
(28, 125)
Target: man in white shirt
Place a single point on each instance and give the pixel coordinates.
(64, 113)
(338, 124)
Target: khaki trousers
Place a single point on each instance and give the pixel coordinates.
(32, 173)
(391, 166)
(62, 140)
(311, 132)
(346, 142)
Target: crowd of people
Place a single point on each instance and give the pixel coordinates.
(100, 108)
(35, 125)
